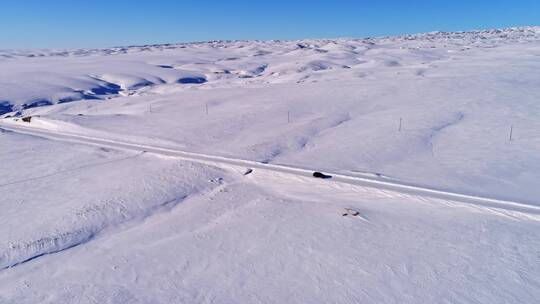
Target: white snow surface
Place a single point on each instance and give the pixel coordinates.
(116, 217)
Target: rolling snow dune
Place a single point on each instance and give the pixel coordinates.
(447, 139)
(36, 78)
(182, 173)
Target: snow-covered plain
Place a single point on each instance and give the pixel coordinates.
(91, 221)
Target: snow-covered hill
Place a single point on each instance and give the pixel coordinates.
(116, 217)
(43, 77)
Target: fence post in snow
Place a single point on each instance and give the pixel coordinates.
(288, 116)
(206, 108)
(511, 131)
(400, 119)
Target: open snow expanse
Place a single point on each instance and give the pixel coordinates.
(128, 184)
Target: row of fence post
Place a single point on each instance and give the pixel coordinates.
(400, 126)
(509, 137)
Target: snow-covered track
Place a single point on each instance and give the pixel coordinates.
(413, 190)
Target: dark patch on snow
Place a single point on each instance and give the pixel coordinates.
(68, 99)
(189, 80)
(262, 53)
(316, 65)
(420, 72)
(321, 51)
(36, 103)
(5, 107)
(222, 72)
(89, 97)
(392, 63)
(457, 118)
(80, 96)
(260, 69)
(141, 84)
(163, 66)
(351, 212)
(106, 89)
(218, 180)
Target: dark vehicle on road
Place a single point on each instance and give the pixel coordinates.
(321, 175)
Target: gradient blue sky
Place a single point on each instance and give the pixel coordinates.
(100, 23)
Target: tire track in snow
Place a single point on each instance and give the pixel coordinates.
(530, 208)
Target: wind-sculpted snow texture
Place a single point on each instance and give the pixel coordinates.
(99, 220)
(35, 78)
(68, 219)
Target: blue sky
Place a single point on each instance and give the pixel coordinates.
(99, 23)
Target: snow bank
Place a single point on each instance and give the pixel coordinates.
(88, 190)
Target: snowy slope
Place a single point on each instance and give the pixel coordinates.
(332, 104)
(33, 78)
(97, 221)
(146, 236)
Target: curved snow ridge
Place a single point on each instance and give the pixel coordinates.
(530, 208)
(437, 130)
(270, 149)
(166, 185)
(100, 80)
(21, 252)
(82, 226)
